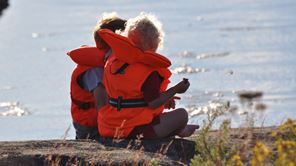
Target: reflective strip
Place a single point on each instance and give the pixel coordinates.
(129, 103)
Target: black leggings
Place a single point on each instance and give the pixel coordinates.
(83, 132)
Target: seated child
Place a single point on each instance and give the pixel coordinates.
(88, 94)
(137, 93)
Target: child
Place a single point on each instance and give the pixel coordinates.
(137, 92)
(88, 94)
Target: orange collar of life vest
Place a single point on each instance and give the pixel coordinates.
(88, 56)
(126, 51)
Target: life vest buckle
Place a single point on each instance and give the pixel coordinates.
(119, 100)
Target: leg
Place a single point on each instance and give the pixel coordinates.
(167, 124)
(83, 132)
(187, 131)
(170, 122)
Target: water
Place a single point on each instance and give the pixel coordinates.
(221, 46)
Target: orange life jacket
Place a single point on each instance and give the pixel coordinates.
(83, 109)
(127, 84)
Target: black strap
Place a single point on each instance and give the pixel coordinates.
(83, 105)
(128, 103)
(121, 69)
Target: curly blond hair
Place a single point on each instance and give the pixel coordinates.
(145, 31)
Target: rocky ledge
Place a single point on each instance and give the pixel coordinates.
(87, 152)
(171, 151)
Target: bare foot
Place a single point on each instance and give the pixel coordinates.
(188, 130)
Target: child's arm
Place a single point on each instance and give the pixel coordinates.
(101, 97)
(164, 97)
(92, 82)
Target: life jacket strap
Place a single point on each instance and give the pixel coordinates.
(121, 69)
(127, 103)
(83, 105)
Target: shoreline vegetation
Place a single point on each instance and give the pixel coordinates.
(246, 145)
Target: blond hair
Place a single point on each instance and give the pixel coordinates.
(145, 31)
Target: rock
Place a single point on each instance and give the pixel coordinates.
(3, 4)
(87, 152)
(169, 151)
(249, 95)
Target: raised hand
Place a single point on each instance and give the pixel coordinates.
(182, 86)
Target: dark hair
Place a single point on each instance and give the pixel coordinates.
(112, 24)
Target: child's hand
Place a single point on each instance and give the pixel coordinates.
(171, 104)
(182, 86)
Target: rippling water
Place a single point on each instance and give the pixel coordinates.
(223, 47)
